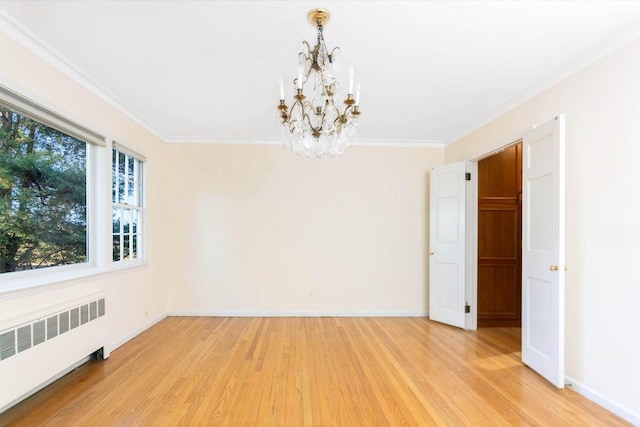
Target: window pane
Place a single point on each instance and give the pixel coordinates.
(43, 193)
(126, 220)
(125, 246)
(117, 220)
(134, 246)
(138, 190)
(130, 181)
(134, 232)
(114, 175)
(121, 177)
(134, 221)
(116, 247)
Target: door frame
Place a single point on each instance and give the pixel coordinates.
(471, 283)
(471, 318)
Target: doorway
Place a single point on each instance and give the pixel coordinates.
(453, 234)
(499, 273)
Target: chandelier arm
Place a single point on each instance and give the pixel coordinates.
(306, 43)
(305, 57)
(308, 66)
(292, 125)
(309, 69)
(324, 116)
(292, 122)
(291, 111)
(343, 118)
(307, 116)
(337, 48)
(337, 108)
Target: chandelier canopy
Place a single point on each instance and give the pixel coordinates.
(317, 124)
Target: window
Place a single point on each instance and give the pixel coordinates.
(53, 173)
(126, 197)
(43, 194)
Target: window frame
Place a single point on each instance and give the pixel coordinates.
(139, 173)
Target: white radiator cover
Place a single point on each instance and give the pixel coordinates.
(34, 352)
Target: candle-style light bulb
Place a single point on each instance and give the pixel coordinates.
(281, 88)
(299, 76)
(358, 94)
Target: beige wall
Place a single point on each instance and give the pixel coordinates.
(602, 107)
(268, 232)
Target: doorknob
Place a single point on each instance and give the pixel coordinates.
(430, 253)
(553, 267)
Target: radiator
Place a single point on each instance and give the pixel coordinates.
(37, 352)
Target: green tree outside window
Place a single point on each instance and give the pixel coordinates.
(43, 195)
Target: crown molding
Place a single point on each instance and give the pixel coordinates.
(209, 140)
(47, 53)
(361, 142)
(615, 42)
(405, 143)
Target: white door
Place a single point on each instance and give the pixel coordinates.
(543, 250)
(447, 249)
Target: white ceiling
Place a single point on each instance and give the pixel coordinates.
(431, 71)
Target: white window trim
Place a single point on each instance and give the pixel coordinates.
(142, 227)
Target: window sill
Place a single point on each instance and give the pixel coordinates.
(127, 265)
(37, 281)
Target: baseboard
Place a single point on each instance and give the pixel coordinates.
(134, 334)
(298, 313)
(627, 414)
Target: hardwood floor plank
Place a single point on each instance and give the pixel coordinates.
(309, 372)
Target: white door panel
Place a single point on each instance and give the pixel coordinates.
(543, 250)
(447, 244)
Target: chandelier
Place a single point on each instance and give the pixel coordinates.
(317, 124)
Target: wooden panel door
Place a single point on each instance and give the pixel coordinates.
(499, 238)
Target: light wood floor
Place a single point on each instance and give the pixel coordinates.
(309, 372)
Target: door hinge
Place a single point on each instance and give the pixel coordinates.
(467, 308)
(467, 176)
